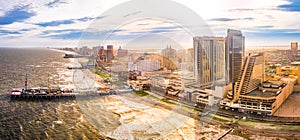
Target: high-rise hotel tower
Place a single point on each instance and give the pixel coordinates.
(209, 60)
(235, 51)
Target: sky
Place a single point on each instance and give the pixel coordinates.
(65, 23)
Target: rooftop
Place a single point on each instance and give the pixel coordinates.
(259, 93)
(273, 84)
(295, 63)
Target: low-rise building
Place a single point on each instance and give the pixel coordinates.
(144, 65)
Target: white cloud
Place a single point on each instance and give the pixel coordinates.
(74, 9)
(17, 26)
(264, 13)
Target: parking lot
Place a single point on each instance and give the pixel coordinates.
(291, 107)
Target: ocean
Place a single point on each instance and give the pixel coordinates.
(38, 119)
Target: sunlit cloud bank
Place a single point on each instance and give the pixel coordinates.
(61, 23)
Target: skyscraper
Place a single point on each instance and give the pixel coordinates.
(294, 48)
(209, 60)
(109, 53)
(235, 51)
(102, 54)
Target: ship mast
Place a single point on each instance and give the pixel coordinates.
(26, 82)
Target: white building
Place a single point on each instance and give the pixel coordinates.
(144, 65)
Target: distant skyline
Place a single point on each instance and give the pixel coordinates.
(59, 23)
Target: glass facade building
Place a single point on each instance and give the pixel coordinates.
(209, 60)
(235, 51)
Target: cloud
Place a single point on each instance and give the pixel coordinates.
(28, 29)
(143, 24)
(271, 36)
(72, 35)
(294, 6)
(55, 23)
(241, 9)
(6, 32)
(152, 31)
(100, 17)
(87, 19)
(268, 26)
(248, 18)
(61, 34)
(95, 34)
(166, 28)
(68, 21)
(76, 34)
(161, 31)
(59, 31)
(275, 34)
(55, 3)
(230, 19)
(19, 26)
(17, 14)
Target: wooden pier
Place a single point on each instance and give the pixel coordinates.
(48, 96)
(67, 95)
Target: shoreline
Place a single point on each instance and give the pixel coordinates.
(168, 106)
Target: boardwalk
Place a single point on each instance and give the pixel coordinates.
(69, 95)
